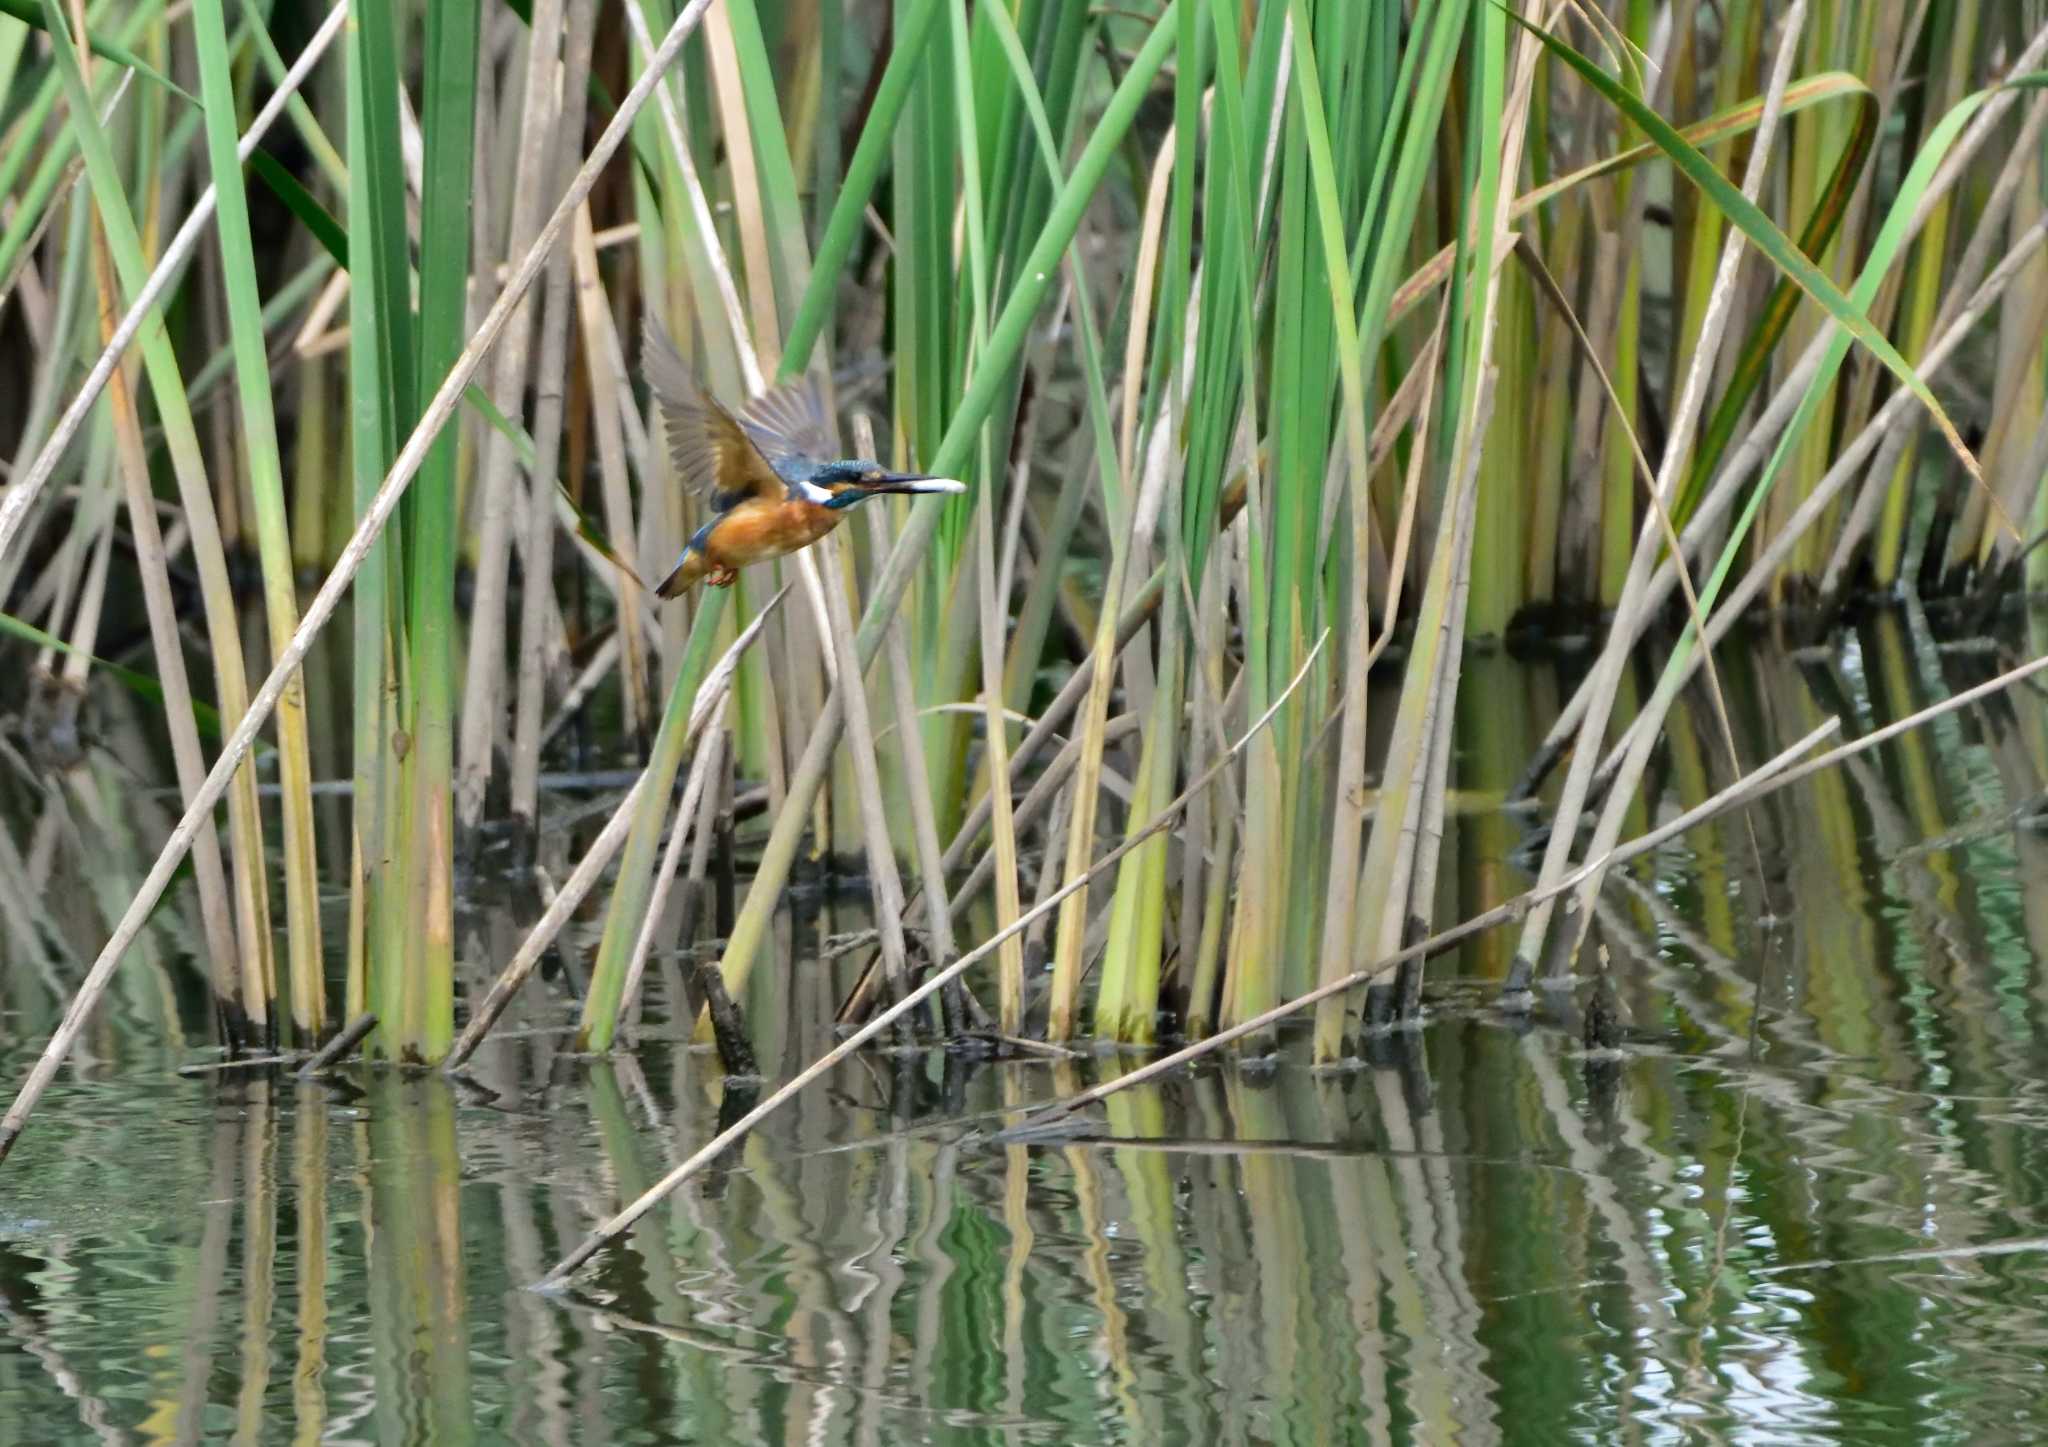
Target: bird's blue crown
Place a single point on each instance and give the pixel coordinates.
(852, 469)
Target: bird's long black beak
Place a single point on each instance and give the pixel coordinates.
(914, 482)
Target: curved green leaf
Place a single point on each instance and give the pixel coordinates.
(1754, 359)
(1762, 232)
(303, 204)
(29, 13)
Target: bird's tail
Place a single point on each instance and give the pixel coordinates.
(688, 573)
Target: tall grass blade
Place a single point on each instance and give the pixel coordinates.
(273, 537)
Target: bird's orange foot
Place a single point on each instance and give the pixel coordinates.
(722, 577)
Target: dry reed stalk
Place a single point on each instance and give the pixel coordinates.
(714, 826)
(187, 757)
(497, 493)
(1010, 958)
(1211, 849)
(600, 344)
(766, 330)
(537, 584)
(338, 1049)
(700, 211)
(85, 622)
(910, 743)
(692, 822)
(883, 878)
(578, 693)
(1422, 831)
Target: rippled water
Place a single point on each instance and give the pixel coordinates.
(1809, 1203)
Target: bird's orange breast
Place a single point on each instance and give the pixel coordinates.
(755, 530)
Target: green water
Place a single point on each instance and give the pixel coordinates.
(1809, 1204)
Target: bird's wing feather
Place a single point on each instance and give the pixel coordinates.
(788, 423)
(712, 452)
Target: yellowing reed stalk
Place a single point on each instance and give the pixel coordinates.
(248, 1011)
(266, 483)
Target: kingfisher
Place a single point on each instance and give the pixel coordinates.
(761, 470)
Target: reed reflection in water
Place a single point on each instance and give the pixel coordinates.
(1806, 1204)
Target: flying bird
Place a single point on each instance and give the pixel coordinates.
(762, 470)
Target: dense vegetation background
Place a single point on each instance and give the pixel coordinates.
(1277, 342)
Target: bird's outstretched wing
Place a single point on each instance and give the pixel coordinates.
(788, 424)
(712, 453)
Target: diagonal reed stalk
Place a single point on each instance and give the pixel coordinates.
(374, 516)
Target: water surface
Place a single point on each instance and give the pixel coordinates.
(1809, 1203)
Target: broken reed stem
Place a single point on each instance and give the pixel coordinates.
(608, 841)
(353, 555)
(709, 1152)
(337, 1049)
(728, 1029)
(688, 824)
(711, 695)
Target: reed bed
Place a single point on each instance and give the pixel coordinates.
(1277, 344)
